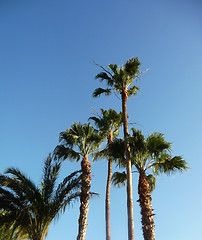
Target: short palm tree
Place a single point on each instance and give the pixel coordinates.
(152, 153)
(108, 123)
(121, 79)
(28, 210)
(78, 142)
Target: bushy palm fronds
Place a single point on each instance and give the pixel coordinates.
(119, 78)
(27, 209)
(151, 153)
(78, 141)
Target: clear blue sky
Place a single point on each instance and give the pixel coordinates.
(46, 83)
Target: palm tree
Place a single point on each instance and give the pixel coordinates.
(108, 123)
(121, 79)
(78, 142)
(152, 153)
(28, 210)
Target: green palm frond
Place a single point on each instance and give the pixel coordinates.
(131, 67)
(119, 179)
(157, 144)
(61, 152)
(117, 151)
(49, 178)
(29, 210)
(104, 76)
(133, 90)
(99, 91)
(109, 121)
(113, 68)
(167, 164)
(79, 140)
(137, 142)
(152, 181)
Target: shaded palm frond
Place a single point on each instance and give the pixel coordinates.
(157, 144)
(61, 152)
(29, 210)
(99, 91)
(131, 67)
(119, 179)
(104, 76)
(152, 181)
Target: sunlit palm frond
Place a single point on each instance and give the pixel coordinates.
(133, 90)
(167, 164)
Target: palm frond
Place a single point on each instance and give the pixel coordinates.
(28, 210)
(157, 144)
(167, 164)
(131, 67)
(49, 178)
(104, 76)
(61, 152)
(133, 90)
(119, 179)
(99, 91)
(113, 68)
(152, 181)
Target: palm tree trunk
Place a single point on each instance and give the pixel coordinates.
(84, 197)
(107, 198)
(124, 96)
(145, 201)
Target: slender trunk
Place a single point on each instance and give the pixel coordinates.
(107, 199)
(84, 197)
(124, 96)
(145, 201)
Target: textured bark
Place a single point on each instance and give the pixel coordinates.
(107, 198)
(124, 96)
(84, 198)
(145, 201)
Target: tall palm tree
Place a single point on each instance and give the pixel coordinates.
(78, 142)
(29, 210)
(152, 153)
(108, 123)
(121, 79)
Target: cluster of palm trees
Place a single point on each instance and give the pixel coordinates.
(26, 210)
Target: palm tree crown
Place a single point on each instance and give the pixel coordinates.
(119, 79)
(78, 141)
(29, 210)
(108, 122)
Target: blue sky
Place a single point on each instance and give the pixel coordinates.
(47, 74)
